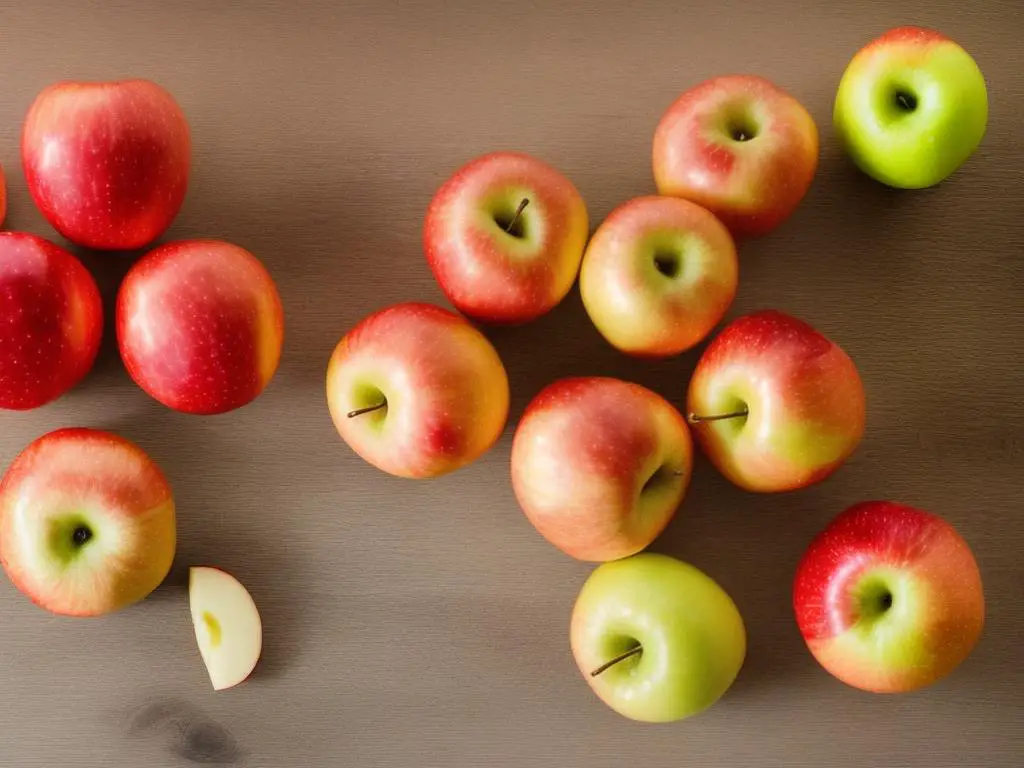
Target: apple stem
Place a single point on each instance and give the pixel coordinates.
(367, 409)
(621, 657)
(694, 418)
(515, 216)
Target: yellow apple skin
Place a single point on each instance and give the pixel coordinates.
(229, 631)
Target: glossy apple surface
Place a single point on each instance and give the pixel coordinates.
(679, 635)
(911, 108)
(200, 326)
(87, 523)
(51, 321)
(504, 237)
(740, 146)
(107, 163)
(658, 275)
(417, 391)
(229, 631)
(774, 404)
(600, 466)
(889, 598)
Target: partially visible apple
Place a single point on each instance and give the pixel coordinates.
(889, 597)
(656, 638)
(107, 162)
(600, 466)
(774, 404)
(200, 326)
(741, 147)
(228, 628)
(504, 237)
(417, 391)
(51, 321)
(912, 107)
(658, 276)
(87, 523)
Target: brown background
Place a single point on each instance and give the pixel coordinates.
(425, 624)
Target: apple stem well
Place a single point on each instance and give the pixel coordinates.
(367, 409)
(510, 227)
(696, 418)
(621, 657)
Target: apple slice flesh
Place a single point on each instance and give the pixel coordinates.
(227, 625)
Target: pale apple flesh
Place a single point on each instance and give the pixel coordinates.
(229, 631)
(658, 275)
(87, 523)
(889, 598)
(600, 466)
(417, 391)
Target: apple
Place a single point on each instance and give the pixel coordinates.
(200, 326)
(107, 163)
(51, 321)
(417, 391)
(658, 275)
(740, 146)
(774, 404)
(911, 108)
(599, 466)
(504, 237)
(228, 629)
(889, 598)
(87, 523)
(657, 639)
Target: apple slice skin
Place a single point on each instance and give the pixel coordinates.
(230, 639)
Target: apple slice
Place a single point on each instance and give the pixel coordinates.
(228, 627)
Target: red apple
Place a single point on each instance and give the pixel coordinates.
(417, 391)
(600, 466)
(107, 163)
(51, 321)
(504, 237)
(87, 523)
(889, 598)
(200, 326)
(658, 275)
(740, 146)
(776, 405)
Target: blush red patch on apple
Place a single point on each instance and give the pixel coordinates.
(888, 598)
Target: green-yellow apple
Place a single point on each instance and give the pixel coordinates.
(889, 598)
(740, 146)
(228, 628)
(417, 391)
(600, 466)
(87, 523)
(912, 107)
(504, 237)
(774, 404)
(658, 275)
(657, 639)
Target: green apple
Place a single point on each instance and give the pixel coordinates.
(912, 106)
(656, 638)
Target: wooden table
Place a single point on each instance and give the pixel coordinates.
(425, 624)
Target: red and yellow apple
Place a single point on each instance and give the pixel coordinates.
(740, 146)
(200, 326)
(228, 628)
(417, 391)
(658, 275)
(889, 598)
(504, 237)
(774, 404)
(600, 466)
(87, 523)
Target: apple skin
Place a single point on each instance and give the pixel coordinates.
(227, 624)
(919, 147)
(693, 638)
(889, 598)
(658, 275)
(200, 326)
(73, 478)
(488, 274)
(444, 385)
(51, 321)
(107, 163)
(600, 466)
(804, 397)
(740, 146)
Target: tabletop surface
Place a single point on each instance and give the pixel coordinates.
(426, 623)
